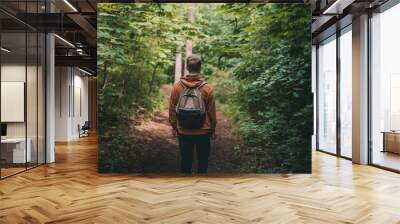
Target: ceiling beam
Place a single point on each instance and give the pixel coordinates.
(81, 61)
(337, 7)
(49, 22)
(86, 27)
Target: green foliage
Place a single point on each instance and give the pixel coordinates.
(136, 50)
(256, 56)
(266, 49)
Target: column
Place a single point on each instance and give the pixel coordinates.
(360, 90)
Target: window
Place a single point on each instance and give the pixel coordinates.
(385, 88)
(346, 92)
(22, 93)
(327, 95)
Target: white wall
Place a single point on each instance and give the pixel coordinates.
(17, 72)
(71, 102)
(62, 82)
(14, 72)
(33, 127)
(80, 109)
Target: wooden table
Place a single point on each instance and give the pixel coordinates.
(391, 141)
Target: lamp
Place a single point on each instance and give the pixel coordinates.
(337, 7)
(84, 71)
(64, 40)
(70, 5)
(5, 50)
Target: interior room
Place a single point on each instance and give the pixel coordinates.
(48, 150)
(385, 89)
(72, 106)
(337, 87)
(48, 82)
(22, 99)
(75, 73)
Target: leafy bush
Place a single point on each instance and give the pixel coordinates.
(257, 57)
(136, 49)
(266, 49)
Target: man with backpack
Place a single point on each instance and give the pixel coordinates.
(192, 116)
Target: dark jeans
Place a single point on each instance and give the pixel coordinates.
(186, 146)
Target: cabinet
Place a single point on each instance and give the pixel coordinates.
(391, 142)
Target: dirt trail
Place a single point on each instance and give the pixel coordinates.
(162, 152)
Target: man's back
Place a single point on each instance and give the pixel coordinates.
(193, 81)
(193, 138)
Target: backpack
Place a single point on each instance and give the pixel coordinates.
(190, 109)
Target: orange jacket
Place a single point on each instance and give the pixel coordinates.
(210, 120)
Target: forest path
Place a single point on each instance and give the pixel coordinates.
(161, 151)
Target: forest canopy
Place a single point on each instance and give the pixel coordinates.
(256, 56)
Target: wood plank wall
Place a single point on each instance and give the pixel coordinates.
(92, 83)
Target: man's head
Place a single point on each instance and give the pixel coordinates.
(193, 63)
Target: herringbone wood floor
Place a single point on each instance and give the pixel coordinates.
(71, 191)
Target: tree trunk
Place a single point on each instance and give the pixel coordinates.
(189, 43)
(153, 77)
(180, 67)
(178, 63)
(103, 85)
